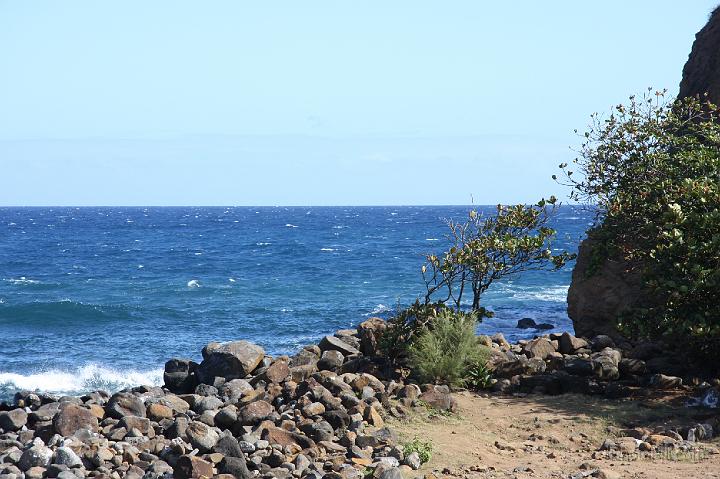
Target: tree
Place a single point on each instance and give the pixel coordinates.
(652, 168)
(487, 248)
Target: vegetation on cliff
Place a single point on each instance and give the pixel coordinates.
(652, 168)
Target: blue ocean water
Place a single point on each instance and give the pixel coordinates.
(102, 297)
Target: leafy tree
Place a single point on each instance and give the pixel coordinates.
(487, 248)
(652, 168)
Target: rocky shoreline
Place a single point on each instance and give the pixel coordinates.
(320, 413)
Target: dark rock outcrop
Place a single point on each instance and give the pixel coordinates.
(701, 73)
(598, 294)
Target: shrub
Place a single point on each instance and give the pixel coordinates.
(478, 376)
(423, 448)
(405, 326)
(486, 248)
(443, 352)
(652, 168)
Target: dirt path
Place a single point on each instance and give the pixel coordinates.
(550, 437)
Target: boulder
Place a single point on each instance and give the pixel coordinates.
(285, 438)
(439, 399)
(35, 456)
(332, 343)
(179, 376)
(235, 466)
(370, 332)
(331, 360)
(192, 467)
(67, 457)
(234, 360)
(255, 412)
(71, 417)
(568, 344)
(125, 404)
(539, 348)
(277, 372)
(201, 436)
(13, 420)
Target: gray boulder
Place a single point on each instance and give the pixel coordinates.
(233, 360)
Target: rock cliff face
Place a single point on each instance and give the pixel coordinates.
(701, 73)
(595, 300)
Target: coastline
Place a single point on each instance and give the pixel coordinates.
(323, 412)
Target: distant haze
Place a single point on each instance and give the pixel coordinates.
(316, 103)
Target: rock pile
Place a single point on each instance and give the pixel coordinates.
(238, 413)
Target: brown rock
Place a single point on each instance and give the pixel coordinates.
(701, 73)
(597, 295)
(284, 438)
(158, 412)
(233, 360)
(568, 344)
(193, 467)
(277, 372)
(72, 417)
(539, 348)
(254, 412)
(439, 400)
(369, 332)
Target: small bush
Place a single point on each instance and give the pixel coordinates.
(405, 326)
(478, 376)
(423, 448)
(444, 351)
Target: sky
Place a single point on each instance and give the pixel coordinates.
(324, 102)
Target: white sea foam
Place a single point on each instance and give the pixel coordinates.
(193, 283)
(288, 225)
(232, 280)
(555, 294)
(22, 280)
(263, 243)
(83, 379)
(432, 239)
(380, 308)
(327, 249)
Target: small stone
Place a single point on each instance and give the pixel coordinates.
(413, 460)
(313, 409)
(157, 412)
(66, 456)
(255, 412)
(331, 360)
(337, 344)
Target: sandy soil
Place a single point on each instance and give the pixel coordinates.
(551, 437)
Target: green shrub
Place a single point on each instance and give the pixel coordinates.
(405, 326)
(652, 168)
(423, 448)
(478, 376)
(444, 351)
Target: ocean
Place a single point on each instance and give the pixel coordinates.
(101, 297)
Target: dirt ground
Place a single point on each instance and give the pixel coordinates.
(552, 437)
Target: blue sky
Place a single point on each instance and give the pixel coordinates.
(316, 103)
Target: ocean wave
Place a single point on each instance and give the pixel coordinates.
(379, 309)
(21, 280)
(84, 379)
(288, 225)
(327, 249)
(62, 312)
(555, 294)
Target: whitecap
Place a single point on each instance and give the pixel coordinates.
(432, 239)
(193, 283)
(327, 249)
(262, 244)
(22, 280)
(81, 380)
(288, 225)
(141, 266)
(232, 280)
(380, 308)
